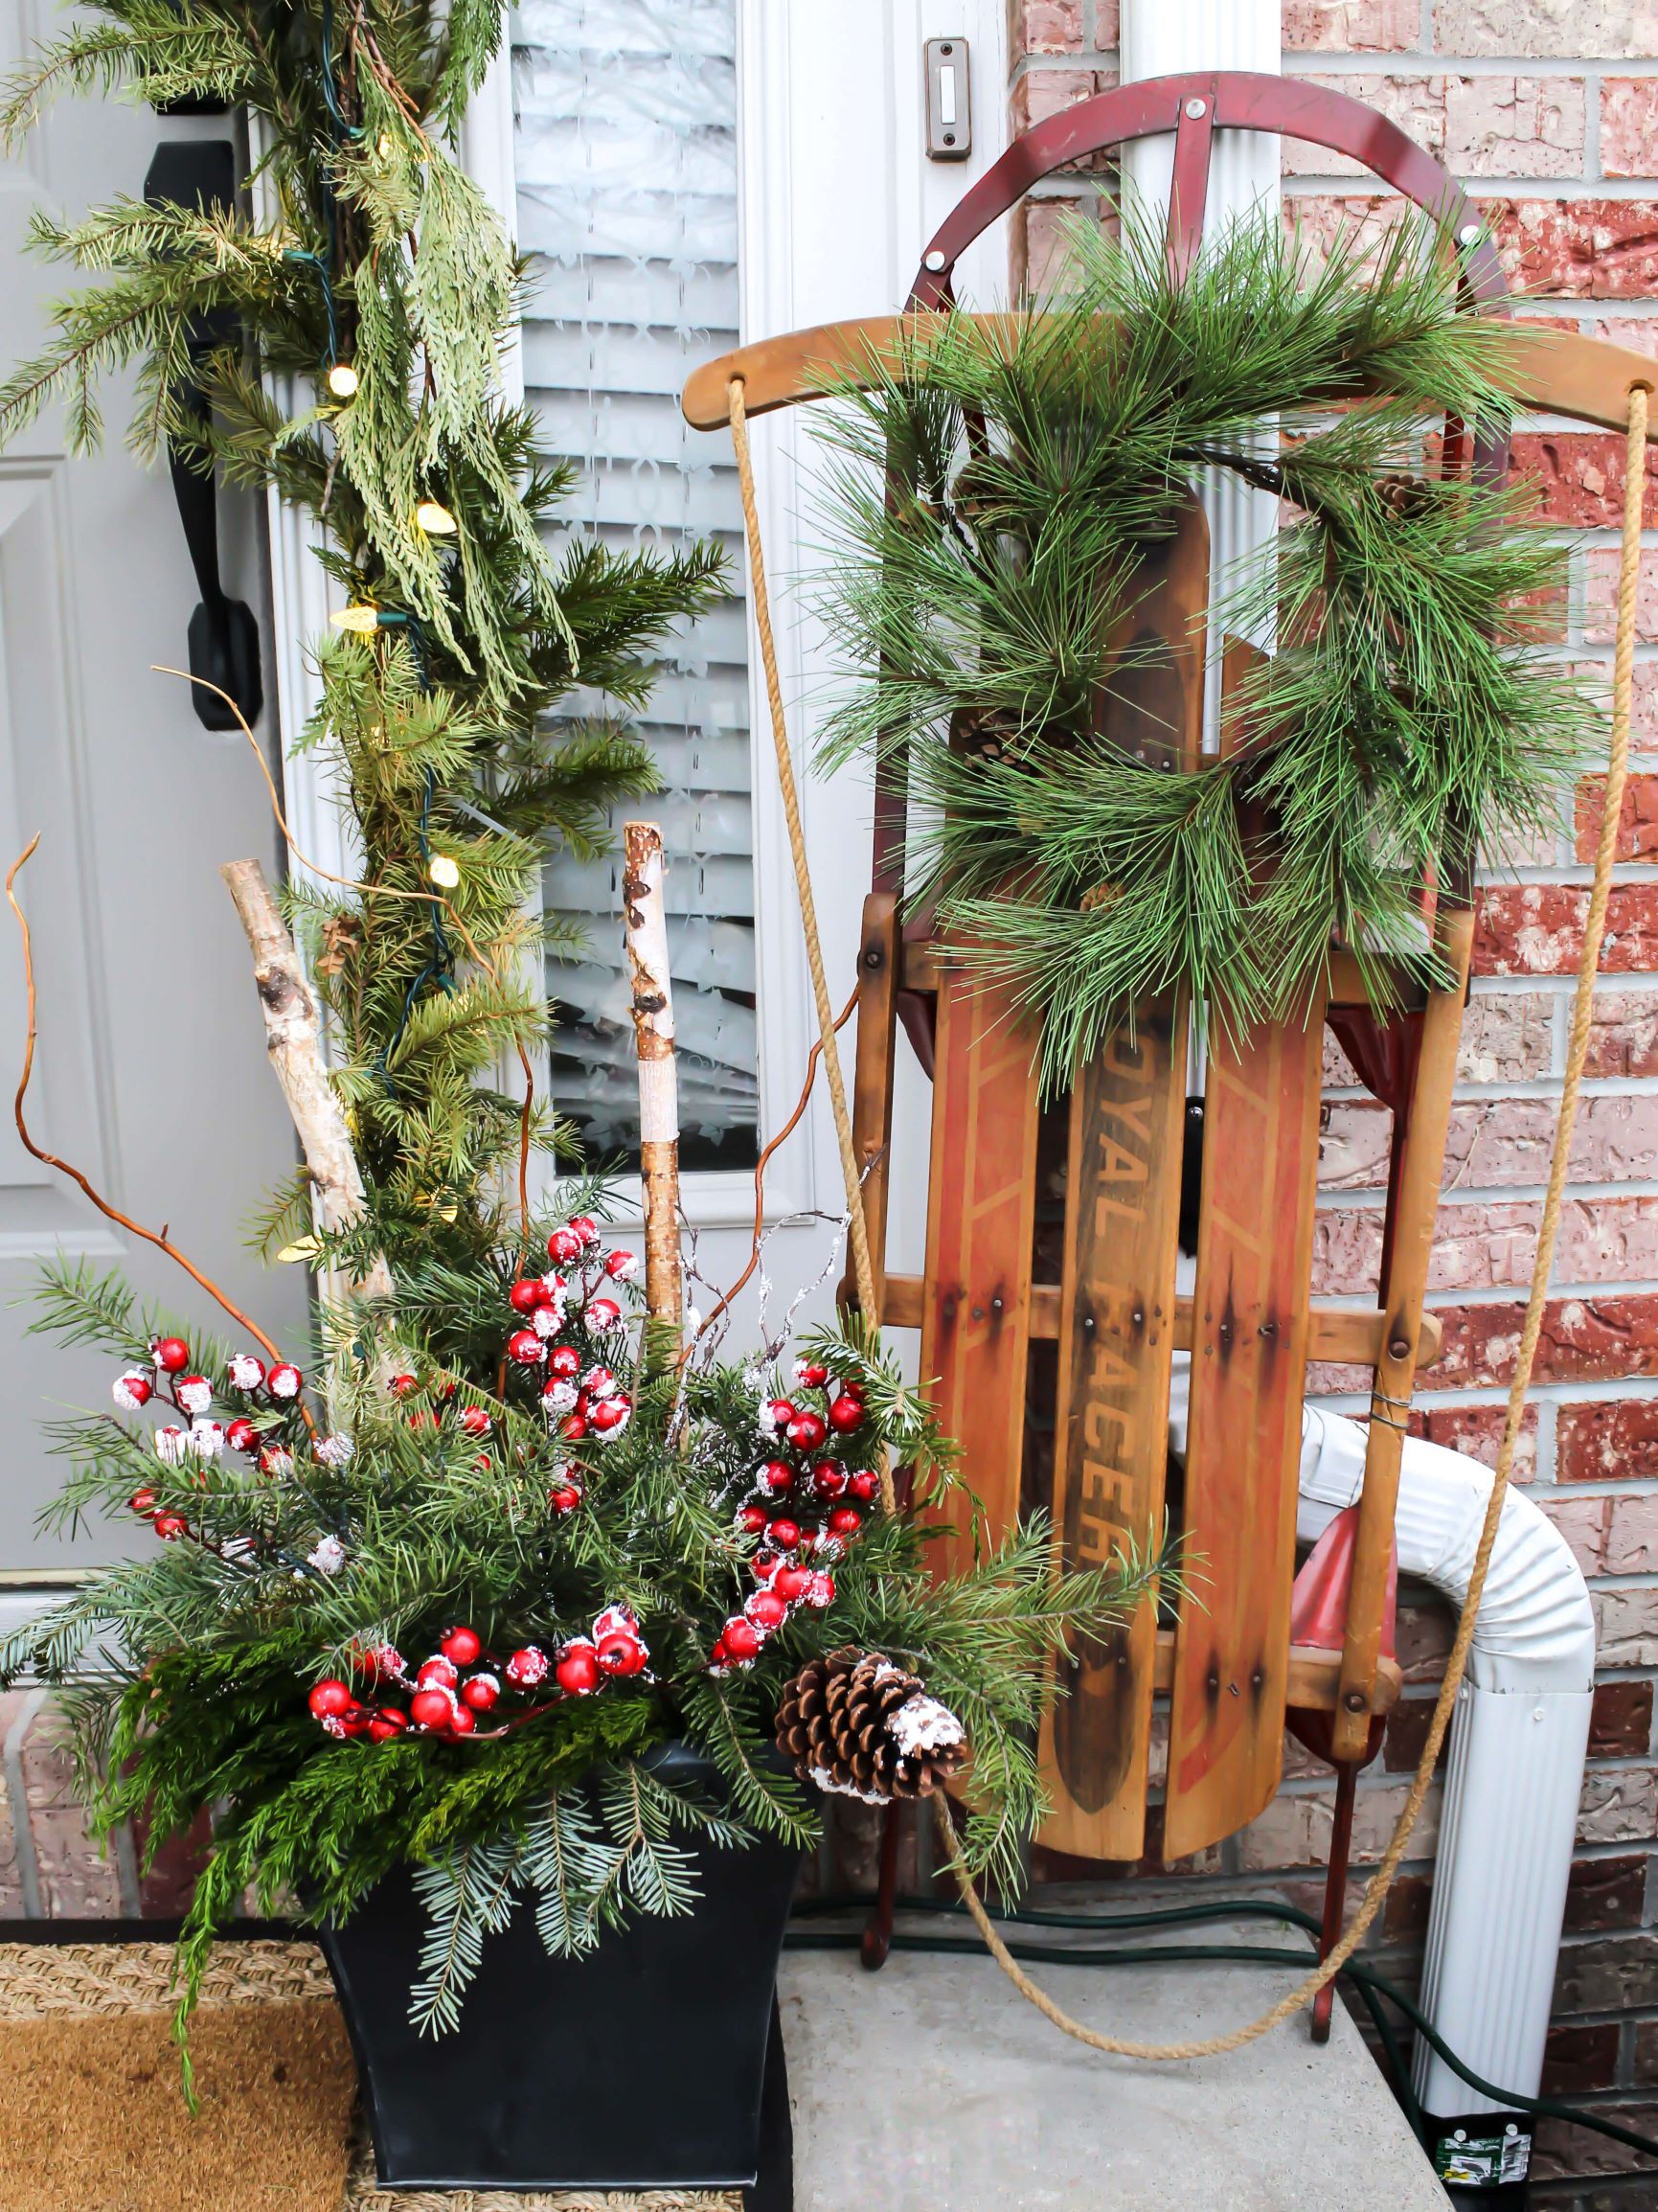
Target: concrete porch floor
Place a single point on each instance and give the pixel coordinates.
(933, 2086)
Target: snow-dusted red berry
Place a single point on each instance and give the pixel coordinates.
(547, 1321)
(845, 1521)
(422, 1416)
(602, 1316)
(461, 1644)
(390, 1720)
(204, 1440)
(740, 1638)
(276, 1459)
(766, 1611)
(333, 1451)
(142, 1501)
(404, 1386)
(585, 1227)
(564, 1361)
(525, 1297)
(332, 1696)
(284, 1381)
(846, 1413)
(828, 1479)
(752, 1520)
(170, 1444)
(823, 1590)
(170, 1353)
(616, 1639)
(433, 1708)
(576, 1672)
(439, 1672)
(566, 1244)
(777, 1474)
(805, 1432)
(482, 1693)
(599, 1382)
(474, 1420)
(462, 1721)
(169, 1525)
(777, 1413)
(573, 1427)
(245, 1372)
(791, 1583)
(526, 1668)
(380, 1662)
(564, 1497)
(609, 1417)
(193, 1392)
(558, 1398)
(525, 1348)
(785, 1534)
(241, 1435)
(864, 1484)
(131, 1390)
(810, 1374)
(622, 1266)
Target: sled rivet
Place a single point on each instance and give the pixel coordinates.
(935, 260)
(1196, 108)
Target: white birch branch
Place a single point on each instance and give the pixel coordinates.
(646, 938)
(293, 1038)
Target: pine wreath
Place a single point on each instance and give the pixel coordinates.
(1406, 724)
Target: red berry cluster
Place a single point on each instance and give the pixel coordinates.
(579, 1395)
(461, 1683)
(807, 1508)
(165, 1382)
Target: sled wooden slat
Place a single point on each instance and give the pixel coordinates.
(1111, 1447)
(1243, 1448)
(1344, 1336)
(1558, 371)
(1314, 1676)
(1122, 1222)
(981, 1218)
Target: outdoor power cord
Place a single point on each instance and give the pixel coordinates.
(1369, 1984)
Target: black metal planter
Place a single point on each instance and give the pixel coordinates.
(641, 2066)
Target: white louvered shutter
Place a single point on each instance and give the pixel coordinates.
(626, 170)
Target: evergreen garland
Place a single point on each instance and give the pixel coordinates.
(1405, 722)
(384, 263)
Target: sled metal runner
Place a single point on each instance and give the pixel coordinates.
(1229, 1665)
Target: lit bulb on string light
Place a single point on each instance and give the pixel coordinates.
(342, 380)
(443, 870)
(364, 620)
(435, 519)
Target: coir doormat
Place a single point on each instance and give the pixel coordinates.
(92, 2118)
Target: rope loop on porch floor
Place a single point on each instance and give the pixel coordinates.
(1578, 1049)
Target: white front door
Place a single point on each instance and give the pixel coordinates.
(150, 1072)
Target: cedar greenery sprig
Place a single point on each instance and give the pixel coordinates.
(1406, 723)
(450, 727)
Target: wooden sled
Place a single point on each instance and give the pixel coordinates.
(1229, 1664)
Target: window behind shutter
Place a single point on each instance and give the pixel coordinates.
(626, 172)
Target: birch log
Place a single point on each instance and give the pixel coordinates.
(293, 1038)
(647, 936)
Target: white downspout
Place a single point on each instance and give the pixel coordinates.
(1517, 1748)
(1522, 1723)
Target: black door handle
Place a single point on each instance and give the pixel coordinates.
(223, 631)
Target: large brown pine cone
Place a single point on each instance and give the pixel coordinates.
(859, 1726)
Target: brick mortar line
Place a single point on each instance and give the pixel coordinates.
(1304, 62)
(1307, 183)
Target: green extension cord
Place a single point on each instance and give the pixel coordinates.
(1371, 1987)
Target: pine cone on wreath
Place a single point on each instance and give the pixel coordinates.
(856, 1725)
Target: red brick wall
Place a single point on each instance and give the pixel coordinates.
(1549, 111)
